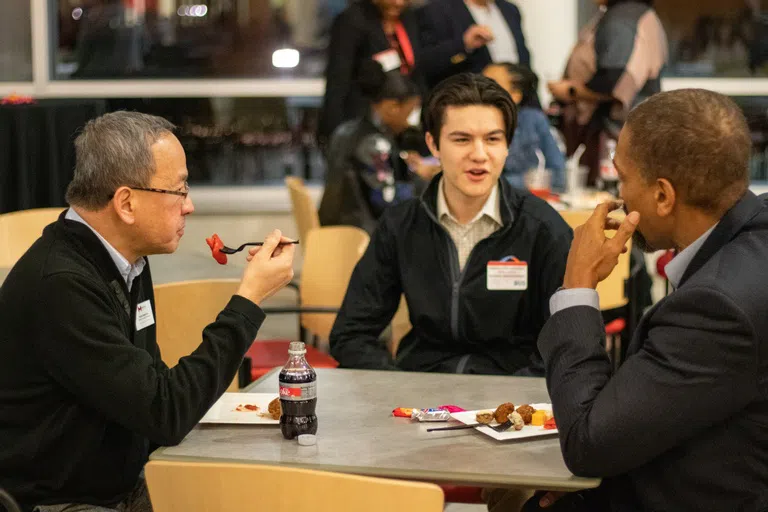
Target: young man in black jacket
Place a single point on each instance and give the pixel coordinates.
(84, 393)
(476, 259)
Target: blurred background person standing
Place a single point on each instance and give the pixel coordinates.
(616, 63)
(465, 36)
(382, 29)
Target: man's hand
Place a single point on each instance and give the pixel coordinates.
(593, 256)
(550, 498)
(476, 37)
(418, 165)
(270, 267)
(561, 90)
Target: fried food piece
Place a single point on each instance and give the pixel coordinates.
(526, 411)
(484, 417)
(517, 420)
(503, 411)
(274, 409)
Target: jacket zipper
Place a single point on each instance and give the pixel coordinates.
(457, 276)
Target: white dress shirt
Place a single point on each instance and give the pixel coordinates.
(128, 271)
(503, 48)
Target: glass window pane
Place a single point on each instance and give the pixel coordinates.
(192, 38)
(16, 42)
(241, 141)
(710, 38)
(721, 38)
(756, 110)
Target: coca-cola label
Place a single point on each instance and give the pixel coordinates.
(298, 391)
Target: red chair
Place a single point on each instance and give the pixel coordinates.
(265, 355)
(462, 494)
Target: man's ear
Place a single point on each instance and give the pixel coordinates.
(665, 197)
(124, 204)
(432, 145)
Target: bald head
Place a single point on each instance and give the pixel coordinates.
(698, 140)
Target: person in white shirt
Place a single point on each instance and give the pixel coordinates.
(468, 35)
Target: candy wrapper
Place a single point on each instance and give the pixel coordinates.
(407, 412)
(430, 415)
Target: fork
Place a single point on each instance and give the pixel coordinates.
(229, 250)
(498, 428)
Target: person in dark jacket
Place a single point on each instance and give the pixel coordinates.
(366, 174)
(386, 29)
(466, 35)
(681, 424)
(84, 392)
(475, 258)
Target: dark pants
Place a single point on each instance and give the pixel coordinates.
(590, 500)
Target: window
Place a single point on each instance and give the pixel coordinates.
(756, 111)
(99, 39)
(711, 38)
(16, 42)
(240, 141)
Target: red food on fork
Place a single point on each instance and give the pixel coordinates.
(215, 243)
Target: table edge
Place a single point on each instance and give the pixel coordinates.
(575, 483)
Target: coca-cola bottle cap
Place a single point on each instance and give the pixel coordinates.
(297, 348)
(307, 439)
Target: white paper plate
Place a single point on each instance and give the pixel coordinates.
(469, 417)
(225, 409)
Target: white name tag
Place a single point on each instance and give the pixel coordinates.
(389, 60)
(144, 316)
(507, 275)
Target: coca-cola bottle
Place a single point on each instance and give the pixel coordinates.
(298, 394)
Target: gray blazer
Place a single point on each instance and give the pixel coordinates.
(683, 424)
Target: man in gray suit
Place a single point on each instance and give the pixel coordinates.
(682, 424)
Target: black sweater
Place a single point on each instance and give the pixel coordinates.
(459, 326)
(83, 394)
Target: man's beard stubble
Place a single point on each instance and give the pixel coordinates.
(638, 240)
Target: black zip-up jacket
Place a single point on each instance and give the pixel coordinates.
(83, 394)
(459, 326)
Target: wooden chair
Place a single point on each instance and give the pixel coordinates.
(330, 256)
(19, 230)
(304, 208)
(213, 487)
(183, 310)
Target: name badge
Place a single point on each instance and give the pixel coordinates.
(507, 275)
(389, 60)
(144, 316)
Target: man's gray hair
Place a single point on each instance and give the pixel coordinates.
(112, 151)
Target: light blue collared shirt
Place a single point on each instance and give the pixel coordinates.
(675, 270)
(128, 271)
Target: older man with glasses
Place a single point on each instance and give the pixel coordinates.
(84, 393)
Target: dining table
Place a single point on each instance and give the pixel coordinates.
(358, 434)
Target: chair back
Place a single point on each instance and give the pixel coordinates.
(304, 208)
(213, 487)
(183, 310)
(331, 254)
(19, 230)
(611, 289)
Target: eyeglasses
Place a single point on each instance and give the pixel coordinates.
(182, 193)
